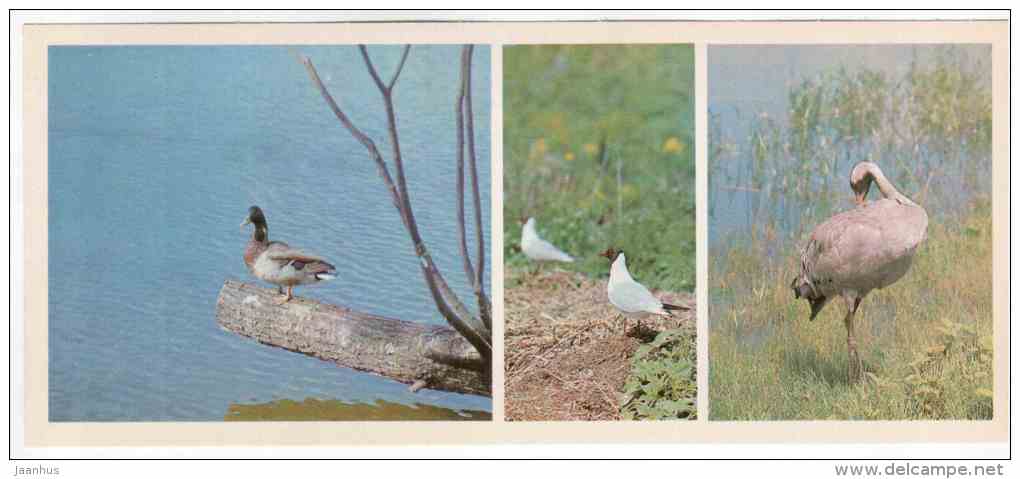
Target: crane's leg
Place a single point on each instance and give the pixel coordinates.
(856, 367)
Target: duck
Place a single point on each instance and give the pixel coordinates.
(628, 296)
(538, 249)
(277, 263)
(865, 248)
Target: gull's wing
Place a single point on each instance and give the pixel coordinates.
(633, 297)
(542, 250)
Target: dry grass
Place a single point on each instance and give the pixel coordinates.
(567, 354)
(926, 341)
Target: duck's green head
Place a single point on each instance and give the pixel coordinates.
(256, 217)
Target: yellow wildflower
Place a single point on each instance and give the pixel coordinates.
(538, 148)
(673, 145)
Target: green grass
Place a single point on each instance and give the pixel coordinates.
(561, 104)
(663, 382)
(925, 340)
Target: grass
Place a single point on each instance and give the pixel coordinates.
(598, 144)
(925, 340)
(663, 383)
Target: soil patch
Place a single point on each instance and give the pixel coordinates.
(567, 352)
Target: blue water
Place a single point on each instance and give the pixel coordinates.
(747, 82)
(155, 154)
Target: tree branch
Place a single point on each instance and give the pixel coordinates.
(453, 310)
(461, 222)
(358, 135)
(456, 314)
(446, 301)
(459, 362)
(375, 75)
(405, 209)
(400, 67)
(400, 350)
(484, 306)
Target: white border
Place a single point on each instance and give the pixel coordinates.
(319, 16)
(721, 451)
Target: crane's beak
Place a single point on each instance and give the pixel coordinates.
(860, 198)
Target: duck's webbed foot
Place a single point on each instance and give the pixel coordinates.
(286, 297)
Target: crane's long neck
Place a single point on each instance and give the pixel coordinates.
(886, 187)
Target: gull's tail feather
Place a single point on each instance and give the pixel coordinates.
(675, 307)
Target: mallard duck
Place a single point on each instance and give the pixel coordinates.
(277, 263)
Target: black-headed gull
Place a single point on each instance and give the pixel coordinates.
(538, 249)
(630, 297)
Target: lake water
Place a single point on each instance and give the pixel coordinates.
(747, 82)
(155, 154)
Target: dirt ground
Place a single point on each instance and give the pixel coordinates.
(567, 353)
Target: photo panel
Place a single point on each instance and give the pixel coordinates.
(161, 309)
(850, 232)
(599, 232)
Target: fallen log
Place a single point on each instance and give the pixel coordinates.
(423, 356)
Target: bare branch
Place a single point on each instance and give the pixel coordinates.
(449, 306)
(461, 223)
(388, 87)
(484, 307)
(375, 75)
(405, 209)
(358, 135)
(459, 362)
(453, 310)
(400, 67)
(398, 163)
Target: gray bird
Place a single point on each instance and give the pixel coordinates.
(866, 248)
